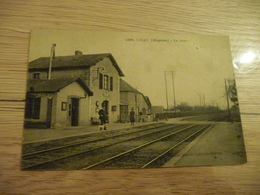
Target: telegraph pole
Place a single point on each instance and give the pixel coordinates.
(166, 94)
(51, 57)
(174, 94)
(204, 103)
(50, 99)
(228, 107)
(200, 99)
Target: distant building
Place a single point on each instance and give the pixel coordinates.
(79, 86)
(131, 98)
(157, 109)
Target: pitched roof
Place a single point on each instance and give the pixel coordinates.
(125, 87)
(72, 62)
(54, 85)
(147, 99)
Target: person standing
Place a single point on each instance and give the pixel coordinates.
(132, 117)
(103, 118)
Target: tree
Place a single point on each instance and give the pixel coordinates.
(184, 107)
(232, 90)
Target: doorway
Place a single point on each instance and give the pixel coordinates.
(124, 117)
(49, 112)
(74, 111)
(105, 104)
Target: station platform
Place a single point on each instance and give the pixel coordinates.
(223, 144)
(39, 135)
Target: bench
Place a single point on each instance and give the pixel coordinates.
(95, 121)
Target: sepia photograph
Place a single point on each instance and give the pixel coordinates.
(124, 100)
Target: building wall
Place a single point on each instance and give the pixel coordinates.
(134, 100)
(124, 98)
(105, 67)
(59, 117)
(43, 110)
(62, 116)
(92, 80)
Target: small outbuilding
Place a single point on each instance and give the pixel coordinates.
(57, 102)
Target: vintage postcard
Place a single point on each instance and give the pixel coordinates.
(119, 100)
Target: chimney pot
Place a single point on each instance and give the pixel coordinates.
(78, 53)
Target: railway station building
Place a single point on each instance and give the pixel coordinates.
(131, 98)
(77, 89)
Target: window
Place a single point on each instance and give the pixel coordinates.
(36, 75)
(100, 81)
(111, 84)
(33, 106)
(106, 79)
(105, 82)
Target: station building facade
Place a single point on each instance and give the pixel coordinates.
(79, 86)
(132, 99)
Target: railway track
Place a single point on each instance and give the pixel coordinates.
(212, 117)
(34, 147)
(62, 150)
(154, 153)
(217, 118)
(116, 150)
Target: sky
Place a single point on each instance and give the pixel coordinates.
(198, 64)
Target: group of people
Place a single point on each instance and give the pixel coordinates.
(103, 118)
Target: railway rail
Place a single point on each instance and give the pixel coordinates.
(213, 117)
(34, 147)
(153, 153)
(116, 150)
(65, 149)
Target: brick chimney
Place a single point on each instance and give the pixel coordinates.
(78, 53)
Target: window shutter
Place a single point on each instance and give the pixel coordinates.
(100, 81)
(111, 84)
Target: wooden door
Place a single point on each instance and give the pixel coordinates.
(124, 117)
(74, 112)
(49, 113)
